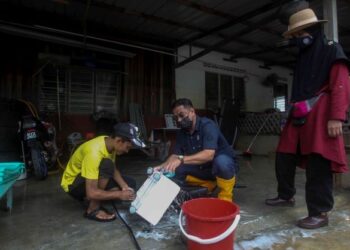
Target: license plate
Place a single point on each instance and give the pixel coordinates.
(30, 135)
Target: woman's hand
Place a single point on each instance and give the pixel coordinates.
(335, 128)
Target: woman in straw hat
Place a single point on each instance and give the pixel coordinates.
(312, 137)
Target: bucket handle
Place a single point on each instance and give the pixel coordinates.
(211, 240)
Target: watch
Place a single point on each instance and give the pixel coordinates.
(181, 158)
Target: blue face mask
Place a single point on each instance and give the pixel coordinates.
(302, 42)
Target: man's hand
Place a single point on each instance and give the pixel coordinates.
(335, 128)
(127, 195)
(128, 188)
(172, 163)
(158, 168)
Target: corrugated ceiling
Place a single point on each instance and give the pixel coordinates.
(171, 23)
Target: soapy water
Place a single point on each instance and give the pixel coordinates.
(271, 240)
(166, 229)
(260, 242)
(266, 241)
(158, 236)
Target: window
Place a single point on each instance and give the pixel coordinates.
(52, 89)
(280, 96)
(219, 87)
(79, 90)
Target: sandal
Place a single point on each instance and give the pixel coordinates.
(93, 215)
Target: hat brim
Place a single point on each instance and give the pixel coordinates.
(301, 27)
(138, 143)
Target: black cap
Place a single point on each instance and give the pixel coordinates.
(129, 131)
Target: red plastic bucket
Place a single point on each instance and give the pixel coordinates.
(210, 223)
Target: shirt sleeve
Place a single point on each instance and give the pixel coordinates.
(90, 167)
(339, 91)
(210, 136)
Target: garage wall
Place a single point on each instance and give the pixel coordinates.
(190, 83)
(16, 69)
(190, 78)
(149, 82)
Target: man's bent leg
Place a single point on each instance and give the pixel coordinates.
(224, 170)
(106, 171)
(201, 172)
(196, 175)
(113, 184)
(77, 189)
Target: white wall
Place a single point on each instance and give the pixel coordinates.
(190, 78)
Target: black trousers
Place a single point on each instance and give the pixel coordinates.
(319, 181)
(106, 171)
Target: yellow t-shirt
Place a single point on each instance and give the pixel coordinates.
(86, 161)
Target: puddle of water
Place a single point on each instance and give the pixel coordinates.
(166, 229)
(268, 240)
(260, 242)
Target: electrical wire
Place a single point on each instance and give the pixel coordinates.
(30, 107)
(127, 226)
(60, 164)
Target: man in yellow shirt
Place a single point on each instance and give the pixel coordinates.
(91, 172)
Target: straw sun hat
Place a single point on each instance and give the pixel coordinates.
(301, 20)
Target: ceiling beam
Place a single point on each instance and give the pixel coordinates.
(343, 31)
(217, 45)
(237, 20)
(14, 12)
(124, 11)
(211, 11)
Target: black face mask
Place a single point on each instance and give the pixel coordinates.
(301, 42)
(186, 124)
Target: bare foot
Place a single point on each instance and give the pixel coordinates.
(103, 215)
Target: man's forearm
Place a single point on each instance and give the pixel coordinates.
(99, 194)
(200, 157)
(119, 179)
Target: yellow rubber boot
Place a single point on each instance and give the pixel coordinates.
(194, 181)
(226, 188)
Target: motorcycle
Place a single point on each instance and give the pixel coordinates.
(39, 150)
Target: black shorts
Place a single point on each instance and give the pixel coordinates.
(106, 171)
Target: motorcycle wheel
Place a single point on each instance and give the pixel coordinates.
(39, 164)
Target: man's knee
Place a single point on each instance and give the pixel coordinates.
(181, 172)
(106, 168)
(130, 181)
(224, 166)
(113, 184)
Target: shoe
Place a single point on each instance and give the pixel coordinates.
(226, 188)
(194, 181)
(313, 222)
(93, 215)
(278, 202)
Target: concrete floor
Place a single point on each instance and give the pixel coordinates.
(44, 217)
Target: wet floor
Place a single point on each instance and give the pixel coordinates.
(44, 217)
